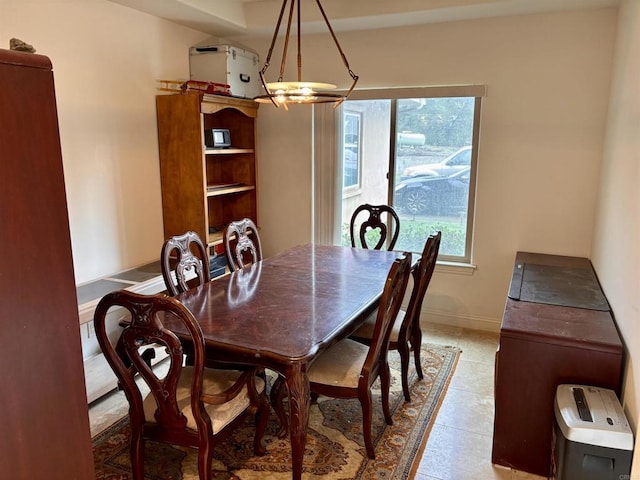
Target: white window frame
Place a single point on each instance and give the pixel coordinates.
(327, 168)
(357, 187)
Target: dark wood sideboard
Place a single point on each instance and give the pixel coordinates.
(557, 328)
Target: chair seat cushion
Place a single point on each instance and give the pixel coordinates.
(215, 381)
(366, 329)
(341, 365)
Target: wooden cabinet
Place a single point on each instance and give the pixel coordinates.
(44, 415)
(557, 328)
(205, 188)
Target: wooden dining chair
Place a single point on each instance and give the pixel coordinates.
(191, 406)
(185, 263)
(349, 368)
(374, 217)
(406, 333)
(242, 243)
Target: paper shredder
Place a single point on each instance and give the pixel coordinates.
(592, 439)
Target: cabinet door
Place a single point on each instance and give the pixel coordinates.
(44, 413)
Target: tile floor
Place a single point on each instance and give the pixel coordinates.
(460, 441)
(459, 446)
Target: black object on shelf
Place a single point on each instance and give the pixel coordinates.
(217, 264)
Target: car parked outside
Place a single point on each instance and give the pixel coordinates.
(454, 163)
(440, 188)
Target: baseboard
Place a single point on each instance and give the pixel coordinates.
(471, 322)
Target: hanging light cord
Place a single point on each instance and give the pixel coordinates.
(299, 56)
(335, 40)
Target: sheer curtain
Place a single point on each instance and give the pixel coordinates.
(327, 175)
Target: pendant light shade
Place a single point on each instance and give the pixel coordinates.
(286, 92)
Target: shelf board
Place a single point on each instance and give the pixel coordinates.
(227, 151)
(216, 190)
(214, 239)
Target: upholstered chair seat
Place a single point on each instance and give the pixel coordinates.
(366, 329)
(215, 382)
(341, 365)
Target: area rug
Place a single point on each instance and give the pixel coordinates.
(334, 449)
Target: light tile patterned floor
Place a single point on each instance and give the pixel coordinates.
(459, 446)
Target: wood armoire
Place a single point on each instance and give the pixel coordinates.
(44, 421)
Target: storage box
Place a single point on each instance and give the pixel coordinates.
(217, 264)
(592, 438)
(229, 65)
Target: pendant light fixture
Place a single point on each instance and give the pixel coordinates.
(286, 92)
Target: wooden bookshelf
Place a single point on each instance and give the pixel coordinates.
(205, 188)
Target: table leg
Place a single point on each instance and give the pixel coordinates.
(299, 404)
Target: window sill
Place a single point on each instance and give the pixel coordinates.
(456, 268)
(351, 191)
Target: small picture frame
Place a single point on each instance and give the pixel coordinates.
(217, 138)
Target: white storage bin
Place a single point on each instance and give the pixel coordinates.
(228, 65)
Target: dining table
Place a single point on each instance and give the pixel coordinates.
(284, 311)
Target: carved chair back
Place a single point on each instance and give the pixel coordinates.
(242, 243)
(182, 257)
(390, 303)
(376, 217)
(422, 277)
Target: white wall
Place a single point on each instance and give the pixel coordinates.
(616, 238)
(284, 151)
(541, 140)
(106, 60)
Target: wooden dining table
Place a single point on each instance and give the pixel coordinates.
(282, 312)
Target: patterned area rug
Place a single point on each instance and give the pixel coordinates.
(334, 450)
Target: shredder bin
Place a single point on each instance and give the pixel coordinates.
(592, 439)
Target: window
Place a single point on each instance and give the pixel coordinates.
(415, 149)
(351, 152)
